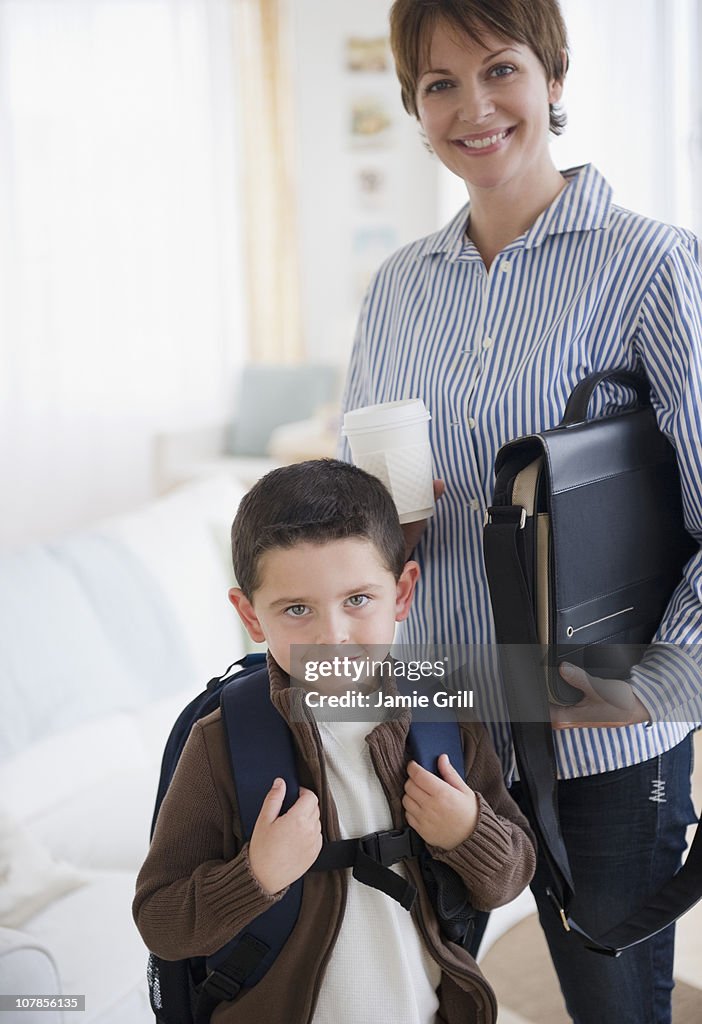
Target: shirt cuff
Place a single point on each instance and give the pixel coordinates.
(668, 682)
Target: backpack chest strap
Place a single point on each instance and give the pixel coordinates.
(371, 858)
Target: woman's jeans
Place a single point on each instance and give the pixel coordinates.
(624, 832)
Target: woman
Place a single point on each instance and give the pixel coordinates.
(492, 321)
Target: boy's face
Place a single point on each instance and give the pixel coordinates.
(337, 593)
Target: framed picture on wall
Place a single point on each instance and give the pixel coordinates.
(367, 54)
(370, 187)
(370, 122)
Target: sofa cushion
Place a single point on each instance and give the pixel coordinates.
(182, 540)
(59, 663)
(108, 619)
(97, 949)
(30, 879)
(87, 794)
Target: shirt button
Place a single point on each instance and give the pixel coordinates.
(506, 267)
(487, 342)
(474, 505)
(471, 423)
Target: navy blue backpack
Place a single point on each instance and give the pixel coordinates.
(261, 747)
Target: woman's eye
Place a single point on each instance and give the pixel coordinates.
(438, 86)
(358, 600)
(502, 70)
(296, 611)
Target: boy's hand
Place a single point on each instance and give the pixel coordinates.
(284, 846)
(443, 810)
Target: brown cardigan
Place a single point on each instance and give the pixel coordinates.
(196, 890)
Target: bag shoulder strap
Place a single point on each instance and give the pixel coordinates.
(525, 692)
(205, 702)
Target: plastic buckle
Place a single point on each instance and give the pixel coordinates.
(391, 846)
(221, 986)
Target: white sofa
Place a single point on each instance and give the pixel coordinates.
(104, 636)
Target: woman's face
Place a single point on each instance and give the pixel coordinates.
(485, 109)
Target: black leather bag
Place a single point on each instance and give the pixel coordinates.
(584, 544)
(603, 540)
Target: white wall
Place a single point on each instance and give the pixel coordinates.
(329, 213)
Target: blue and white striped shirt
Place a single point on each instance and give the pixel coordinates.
(494, 355)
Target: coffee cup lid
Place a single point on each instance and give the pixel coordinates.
(387, 414)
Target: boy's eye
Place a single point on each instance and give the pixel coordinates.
(358, 600)
(296, 611)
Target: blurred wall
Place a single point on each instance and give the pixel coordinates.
(345, 232)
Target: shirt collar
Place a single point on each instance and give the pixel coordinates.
(585, 205)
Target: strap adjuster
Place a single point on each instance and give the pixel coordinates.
(226, 980)
(391, 846)
(505, 514)
(220, 986)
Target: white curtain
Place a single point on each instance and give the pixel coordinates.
(632, 97)
(269, 141)
(121, 288)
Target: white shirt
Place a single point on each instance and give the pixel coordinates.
(379, 969)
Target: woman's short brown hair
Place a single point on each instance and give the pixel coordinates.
(536, 23)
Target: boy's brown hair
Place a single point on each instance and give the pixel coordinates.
(535, 23)
(314, 502)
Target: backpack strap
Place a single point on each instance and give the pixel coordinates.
(427, 740)
(258, 736)
(205, 702)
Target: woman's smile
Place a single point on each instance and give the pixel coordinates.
(484, 142)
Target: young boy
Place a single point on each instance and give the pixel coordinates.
(319, 557)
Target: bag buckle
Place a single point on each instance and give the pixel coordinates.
(560, 910)
(505, 513)
(391, 846)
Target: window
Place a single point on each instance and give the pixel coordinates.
(122, 297)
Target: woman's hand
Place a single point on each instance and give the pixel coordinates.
(605, 703)
(444, 811)
(413, 531)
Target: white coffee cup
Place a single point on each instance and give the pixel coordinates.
(391, 441)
